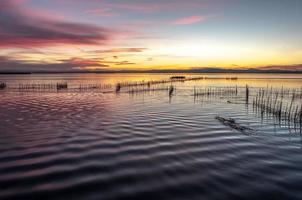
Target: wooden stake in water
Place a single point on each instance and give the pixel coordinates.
(2, 86)
(118, 87)
(171, 90)
(247, 94)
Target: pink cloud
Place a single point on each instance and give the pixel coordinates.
(189, 20)
(133, 7)
(151, 7)
(104, 12)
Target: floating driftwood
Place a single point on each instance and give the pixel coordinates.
(233, 124)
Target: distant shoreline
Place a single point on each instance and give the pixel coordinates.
(209, 71)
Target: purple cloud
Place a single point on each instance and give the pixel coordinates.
(20, 28)
(8, 64)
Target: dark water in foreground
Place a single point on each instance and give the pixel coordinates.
(91, 145)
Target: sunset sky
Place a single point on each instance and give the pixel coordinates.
(64, 35)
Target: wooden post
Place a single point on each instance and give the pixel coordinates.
(247, 94)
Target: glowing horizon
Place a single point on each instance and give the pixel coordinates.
(137, 35)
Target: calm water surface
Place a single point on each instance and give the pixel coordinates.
(94, 145)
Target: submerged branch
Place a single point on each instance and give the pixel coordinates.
(232, 123)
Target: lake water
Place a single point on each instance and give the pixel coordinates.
(98, 144)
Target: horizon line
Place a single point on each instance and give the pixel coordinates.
(207, 70)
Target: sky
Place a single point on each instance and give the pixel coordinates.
(72, 35)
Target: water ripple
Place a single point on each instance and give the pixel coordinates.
(94, 146)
